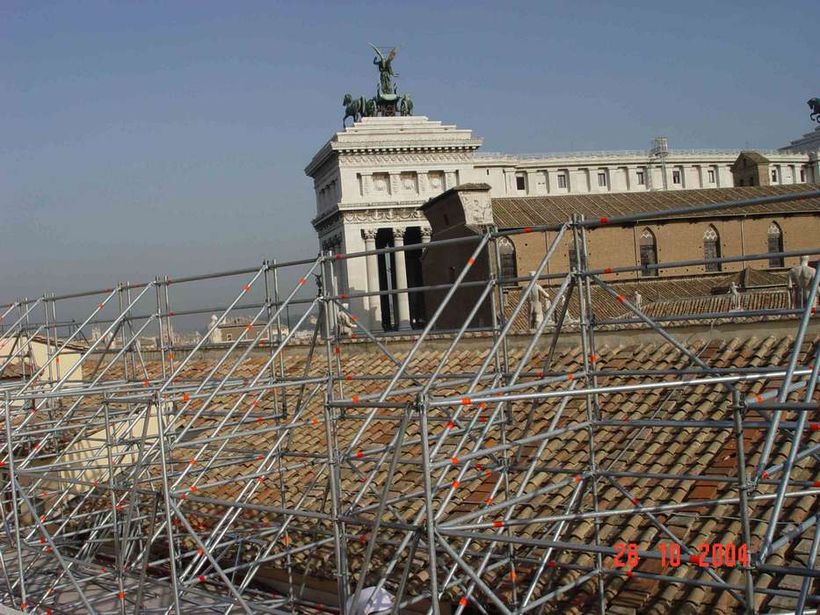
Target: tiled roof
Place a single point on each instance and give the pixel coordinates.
(754, 156)
(709, 453)
(749, 278)
(517, 212)
(713, 304)
(673, 297)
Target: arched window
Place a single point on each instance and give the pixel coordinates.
(775, 244)
(649, 253)
(711, 247)
(506, 254)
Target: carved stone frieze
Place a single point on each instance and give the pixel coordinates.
(325, 222)
(393, 214)
(355, 160)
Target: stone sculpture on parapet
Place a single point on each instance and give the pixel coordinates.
(387, 102)
(801, 278)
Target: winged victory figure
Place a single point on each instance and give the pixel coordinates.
(386, 73)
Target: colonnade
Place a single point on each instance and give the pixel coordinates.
(372, 303)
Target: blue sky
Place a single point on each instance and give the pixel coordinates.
(145, 138)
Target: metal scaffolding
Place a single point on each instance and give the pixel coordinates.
(261, 475)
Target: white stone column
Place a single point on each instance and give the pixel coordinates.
(552, 181)
(401, 280)
(532, 182)
(373, 303)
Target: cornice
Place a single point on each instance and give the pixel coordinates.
(415, 134)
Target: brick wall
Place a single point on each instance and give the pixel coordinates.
(675, 240)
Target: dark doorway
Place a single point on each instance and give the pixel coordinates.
(418, 318)
(387, 278)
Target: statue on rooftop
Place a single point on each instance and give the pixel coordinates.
(386, 74)
(353, 108)
(735, 293)
(344, 322)
(387, 102)
(800, 280)
(814, 105)
(537, 309)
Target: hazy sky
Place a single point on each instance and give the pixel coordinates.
(144, 138)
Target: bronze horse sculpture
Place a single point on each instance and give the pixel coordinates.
(386, 102)
(354, 107)
(814, 105)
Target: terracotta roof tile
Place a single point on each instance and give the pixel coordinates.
(709, 453)
(519, 212)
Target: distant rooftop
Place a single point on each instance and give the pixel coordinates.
(623, 153)
(516, 212)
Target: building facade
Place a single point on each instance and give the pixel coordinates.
(370, 180)
(752, 230)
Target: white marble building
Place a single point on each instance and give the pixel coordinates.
(371, 178)
(809, 142)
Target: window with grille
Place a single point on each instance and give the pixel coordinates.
(562, 180)
(711, 247)
(775, 244)
(506, 254)
(602, 179)
(676, 177)
(649, 253)
(641, 178)
(520, 181)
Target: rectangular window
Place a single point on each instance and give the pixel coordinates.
(774, 175)
(711, 176)
(676, 177)
(802, 176)
(562, 180)
(641, 178)
(520, 181)
(602, 179)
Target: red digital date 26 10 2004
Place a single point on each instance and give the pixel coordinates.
(709, 554)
